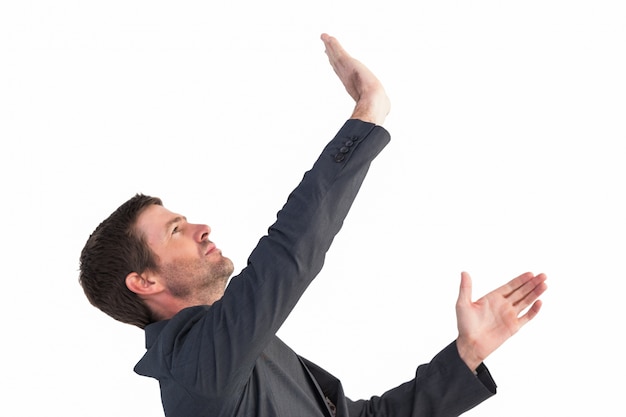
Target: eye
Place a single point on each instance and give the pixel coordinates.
(175, 230)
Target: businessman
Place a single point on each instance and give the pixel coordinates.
(211, 342)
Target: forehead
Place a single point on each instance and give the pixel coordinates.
(154, 221)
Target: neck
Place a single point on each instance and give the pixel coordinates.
(167, 306)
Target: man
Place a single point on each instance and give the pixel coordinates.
(214, 348)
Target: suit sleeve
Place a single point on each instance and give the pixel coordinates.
(445, 387)
(218, 351)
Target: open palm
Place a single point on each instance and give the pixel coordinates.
(487, 323)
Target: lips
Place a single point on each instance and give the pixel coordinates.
(210, 248)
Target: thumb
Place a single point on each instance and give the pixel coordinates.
(465, 290)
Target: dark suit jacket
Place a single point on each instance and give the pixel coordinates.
(225, 359)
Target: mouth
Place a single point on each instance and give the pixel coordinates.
(210, 248)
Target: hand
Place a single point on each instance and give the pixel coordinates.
(486, 324)
(372, 103)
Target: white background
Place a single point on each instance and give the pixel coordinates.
(507, 155)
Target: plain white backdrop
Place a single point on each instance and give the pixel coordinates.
(507, 155)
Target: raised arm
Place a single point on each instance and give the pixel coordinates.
(227, 338)
(285, 261)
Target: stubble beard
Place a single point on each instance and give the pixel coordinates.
(197, 279)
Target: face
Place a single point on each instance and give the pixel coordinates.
(190, 265)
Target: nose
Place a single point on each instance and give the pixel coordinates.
(203, 232)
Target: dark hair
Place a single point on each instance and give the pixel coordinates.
(114, 250)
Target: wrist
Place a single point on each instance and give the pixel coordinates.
(467, 353)
(373, 108)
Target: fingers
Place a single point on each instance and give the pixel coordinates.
(333, 47)
(520, 293)
(529, 291)
(516, 283)
(529, 295)
(465, 290)
(335, 53)
(531, 313)
(527, 288)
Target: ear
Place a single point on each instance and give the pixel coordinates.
(143, 284)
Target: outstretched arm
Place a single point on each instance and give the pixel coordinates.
(372, 103)
(487, 323)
